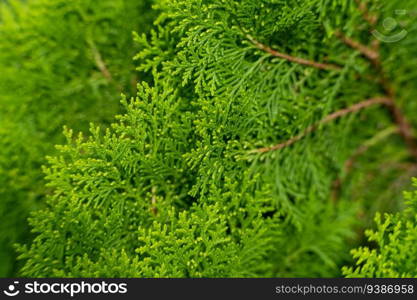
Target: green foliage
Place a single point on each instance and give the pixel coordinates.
(394, 254)
(54, 56)
(122, 173)
(177, 186)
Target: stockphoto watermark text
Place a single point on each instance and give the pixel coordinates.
(72, 289)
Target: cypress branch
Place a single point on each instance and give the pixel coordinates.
(338, 114)
(369, 53)
(165, 191)
(368, 17)
(405, 128)
(293, 59)
(395, 238)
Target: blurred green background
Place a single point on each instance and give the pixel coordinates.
(61, 62)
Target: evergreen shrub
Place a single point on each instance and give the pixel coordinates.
(260, 138)
(256, 148)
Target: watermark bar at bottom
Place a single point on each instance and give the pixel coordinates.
(270, 288)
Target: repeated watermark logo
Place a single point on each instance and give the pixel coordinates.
(393, 32)
(62, 288)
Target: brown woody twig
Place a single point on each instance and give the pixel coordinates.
(369, 53)
(101, 65)
(405, 128)
(301, 61)
(371, 19)
(338, 114)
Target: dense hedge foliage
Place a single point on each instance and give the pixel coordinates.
(263, 137)
(62, 63)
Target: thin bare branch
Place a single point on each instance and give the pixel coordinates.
(406, 130)
(301, 61)
(99, 61)
(368, 17)
(338, 114)
(101, 65)
(369, 53)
